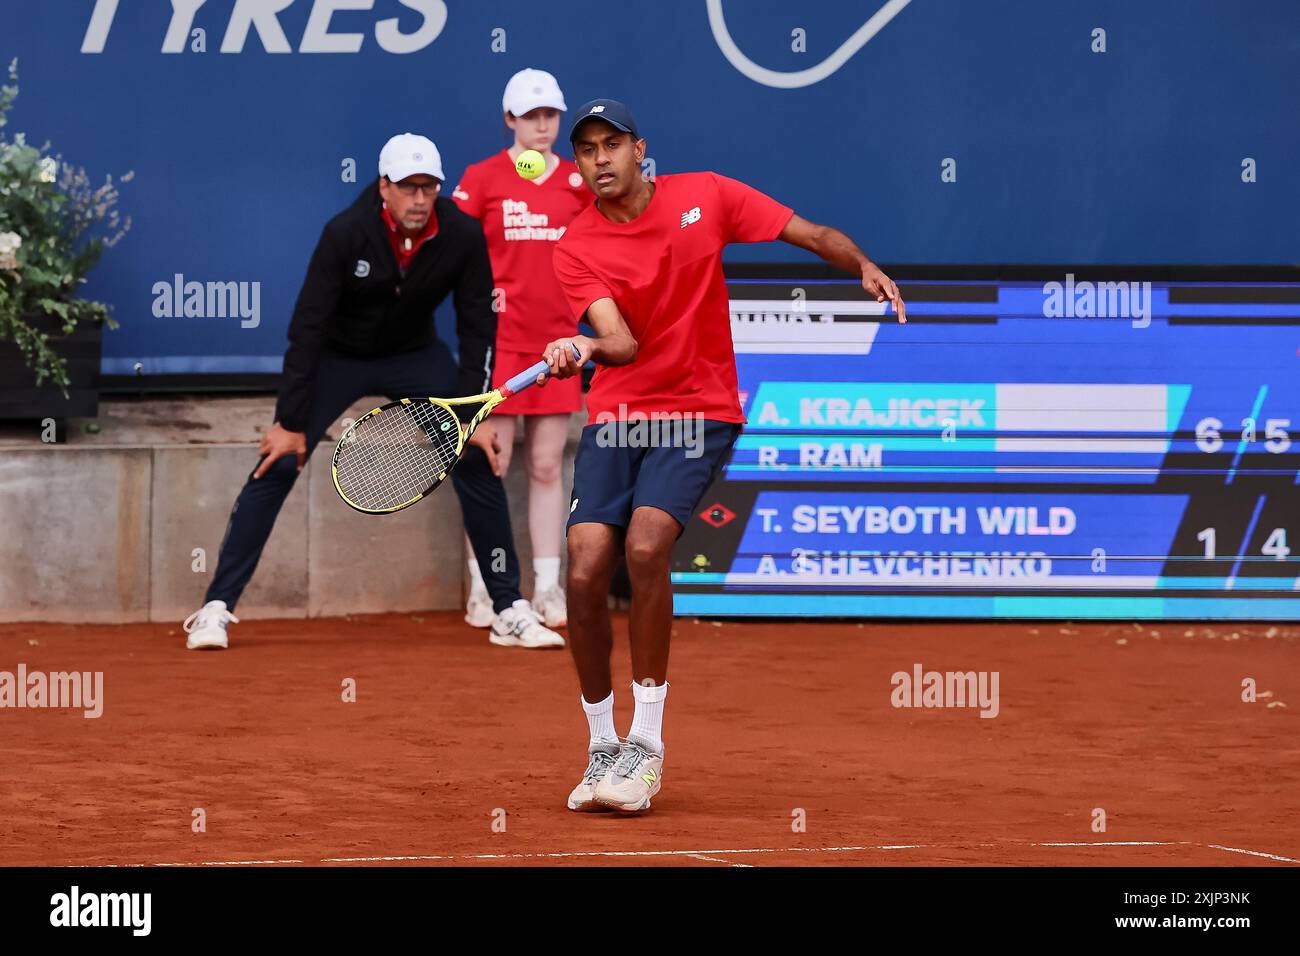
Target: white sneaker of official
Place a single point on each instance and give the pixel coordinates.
(206, 627)
(519, 626)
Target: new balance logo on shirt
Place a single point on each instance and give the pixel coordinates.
(691, 215)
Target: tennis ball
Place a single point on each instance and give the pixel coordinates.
(530, 164)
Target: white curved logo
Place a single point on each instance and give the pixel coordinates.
(814, 74)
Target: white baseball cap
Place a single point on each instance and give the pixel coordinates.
(529, 89)
(409, 155)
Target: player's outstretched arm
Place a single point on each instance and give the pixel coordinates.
(613, 343)
(842, 252)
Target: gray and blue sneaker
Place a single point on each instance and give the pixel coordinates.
(633, 780)
(583, 797)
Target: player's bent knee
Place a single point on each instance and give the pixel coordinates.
(647, 555)
(583, 578)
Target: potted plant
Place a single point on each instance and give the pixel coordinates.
(54, 226)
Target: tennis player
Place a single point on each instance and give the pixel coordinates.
(523, 220)
(363, 325)
(644, 265)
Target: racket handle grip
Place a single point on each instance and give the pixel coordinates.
(529, 375)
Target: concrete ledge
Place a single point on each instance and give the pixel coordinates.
(193, 490)
(125, 524)
(75, 535)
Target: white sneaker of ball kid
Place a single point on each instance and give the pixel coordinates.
(519, 626)
(478, 610)
(552, 607)
(206, 627)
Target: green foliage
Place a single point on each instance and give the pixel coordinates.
(54, 226)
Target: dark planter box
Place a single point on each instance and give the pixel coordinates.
(21, 399)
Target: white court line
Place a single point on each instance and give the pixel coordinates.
(899, 846)
(576, 853)
(1267, 856)
(705, 854)
(1121, 843)
(227, 863)
(381, 859)
(714, 859)
(571, 854)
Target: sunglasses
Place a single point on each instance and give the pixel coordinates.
(410, 189)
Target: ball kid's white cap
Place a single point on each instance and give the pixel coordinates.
(410, 155)
(529, 89)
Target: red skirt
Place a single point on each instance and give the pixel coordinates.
(557, 397)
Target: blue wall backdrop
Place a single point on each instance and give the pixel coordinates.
(1063, 154)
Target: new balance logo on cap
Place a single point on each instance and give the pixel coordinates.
(611, 111)
(690, 216)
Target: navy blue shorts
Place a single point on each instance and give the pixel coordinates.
(666, 465)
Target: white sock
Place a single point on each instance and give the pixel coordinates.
(648, 716)
(546, 574)
(600, 717)
(476, 579)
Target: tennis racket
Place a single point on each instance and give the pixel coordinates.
(396, 454)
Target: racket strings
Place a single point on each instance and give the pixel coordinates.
(388, 459)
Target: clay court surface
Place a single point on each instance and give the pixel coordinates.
(763, 719)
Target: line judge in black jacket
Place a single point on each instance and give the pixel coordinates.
(363, 325)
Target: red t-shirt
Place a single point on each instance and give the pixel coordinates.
(664, 270)
(523, 220)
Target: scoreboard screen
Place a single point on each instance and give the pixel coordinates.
(1074, 448)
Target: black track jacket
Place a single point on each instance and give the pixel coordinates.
(355, 300)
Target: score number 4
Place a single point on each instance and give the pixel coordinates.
(1276, 438)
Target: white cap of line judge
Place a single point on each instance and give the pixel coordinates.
(529, 89)
(409, 155)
